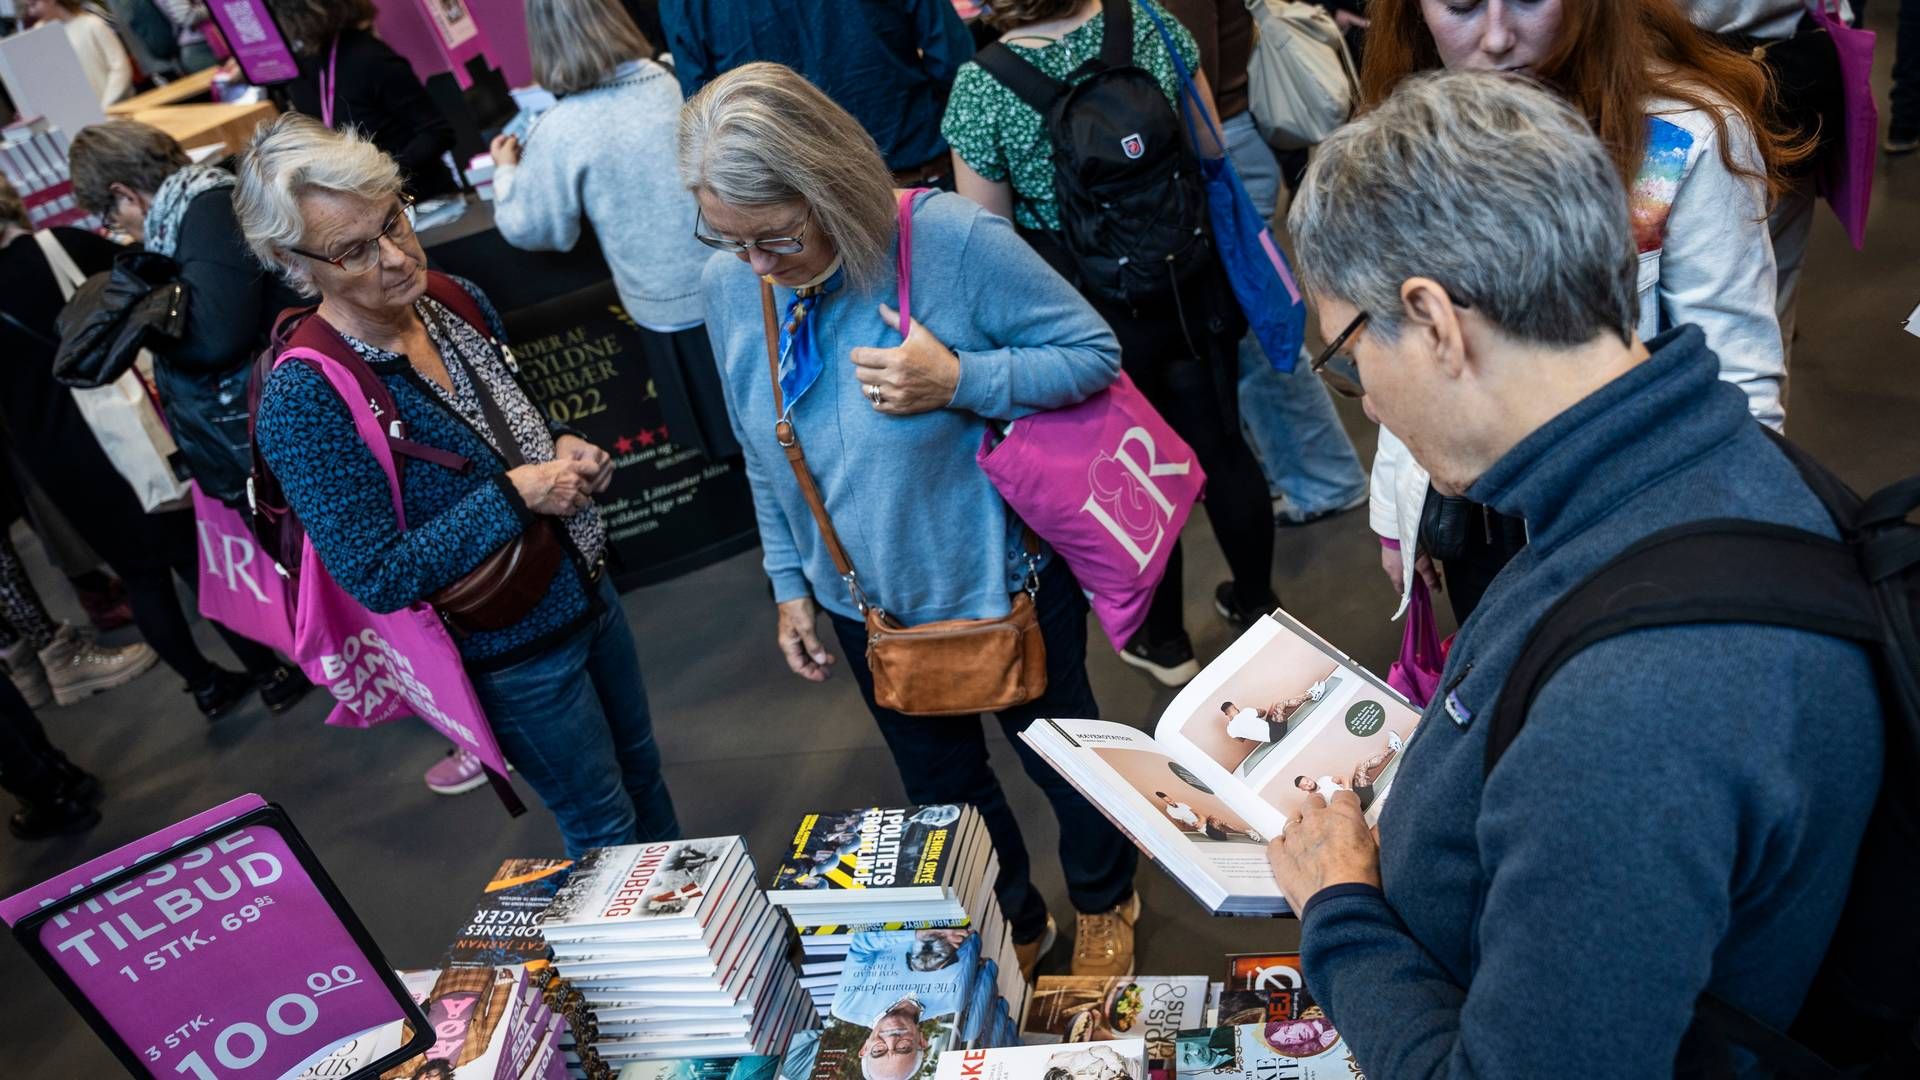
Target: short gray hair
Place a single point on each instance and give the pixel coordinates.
(761, 135)
(290, 157)
(1488, 184)
(121, 152)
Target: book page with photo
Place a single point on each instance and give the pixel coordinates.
(1282, 713)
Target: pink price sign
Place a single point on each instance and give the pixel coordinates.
(255, 39)
(227, 954)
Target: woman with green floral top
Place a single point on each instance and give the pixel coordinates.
(1180, 348)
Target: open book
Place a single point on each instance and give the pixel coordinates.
(1277, 715)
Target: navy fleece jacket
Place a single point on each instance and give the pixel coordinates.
(1680, 813)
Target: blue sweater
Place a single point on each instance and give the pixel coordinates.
(1680, 813)
(454, 520)
(927, 532)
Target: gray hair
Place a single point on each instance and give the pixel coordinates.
(761, 135)
(576, 44)
(292, 156)
(1490, 185)
(121, 152)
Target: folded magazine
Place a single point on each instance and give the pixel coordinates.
(1281, 713)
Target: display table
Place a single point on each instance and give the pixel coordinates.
(227, 126)
(179, 91)
(671, 509)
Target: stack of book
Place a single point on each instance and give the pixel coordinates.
(905, 998)
(1078, 1008)
(1268, 1025)
(676, 952)
(888, 869)
(756, 1067)
(33, 157)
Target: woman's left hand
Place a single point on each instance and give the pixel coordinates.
(918, 375)
(1327, 843)
(579, 449)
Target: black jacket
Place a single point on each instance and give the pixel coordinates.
(377, 92)
(231, 305)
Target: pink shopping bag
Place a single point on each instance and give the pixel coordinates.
(239, 586)
(1106, 482)
(381, 667)
(1845, 178)
(1109, 485)
(1417, 673)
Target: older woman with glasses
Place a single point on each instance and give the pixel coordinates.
(561, 682)
(792, 187)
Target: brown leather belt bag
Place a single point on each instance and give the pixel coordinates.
(958, 667)
(512, 581)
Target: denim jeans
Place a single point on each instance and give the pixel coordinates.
(1288, 418)
(943, 759)
(574, 722)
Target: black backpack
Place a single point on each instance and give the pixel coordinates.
(1861, 1017)
(1133, 210)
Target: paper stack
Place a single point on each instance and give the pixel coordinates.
(676, 951)
(888, 869)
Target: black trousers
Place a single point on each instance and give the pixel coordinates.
(1182, 351)
(27, 759)
(156, 604)
(943, 759)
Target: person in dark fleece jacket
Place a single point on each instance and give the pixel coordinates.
(1682, 810)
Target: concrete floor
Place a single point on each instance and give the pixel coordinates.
(412, 863)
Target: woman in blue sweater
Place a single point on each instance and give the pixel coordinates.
(792, 185)
(560, 684)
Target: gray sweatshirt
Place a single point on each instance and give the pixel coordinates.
(608, 153)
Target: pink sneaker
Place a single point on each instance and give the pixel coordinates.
(456, 774)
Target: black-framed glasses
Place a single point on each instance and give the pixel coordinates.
(1341, 373)
(364, 255)
(772, 245)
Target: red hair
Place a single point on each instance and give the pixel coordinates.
(1612, 57)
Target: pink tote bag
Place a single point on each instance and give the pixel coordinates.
(1106, 482)
(1846, 176)
(382, 667)
(240, 588)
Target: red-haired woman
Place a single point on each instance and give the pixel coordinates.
(1686, 122)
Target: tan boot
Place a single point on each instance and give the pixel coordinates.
(1036, 950)
(1103, 943)
(77, 666)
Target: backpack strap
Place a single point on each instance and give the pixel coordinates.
(1116, 40)
(1028, 83)
(1716, 571)
(322, 338)
(455, 298)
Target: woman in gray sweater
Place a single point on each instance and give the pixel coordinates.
(605, 154)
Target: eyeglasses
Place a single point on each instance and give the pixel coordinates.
(772, 245)
(1341, 373)
(363, 256)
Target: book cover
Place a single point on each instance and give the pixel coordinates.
(907, 849)
(1114, 1060)
(505, 927)
(900, 1004)
(1303, 1048)
(642, 888)
(1262, 988)
(1068, 1008)
(466, 1010)
(355, 1054)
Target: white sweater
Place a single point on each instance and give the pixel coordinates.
(1706, 258)
(608, 154)
(102, 56)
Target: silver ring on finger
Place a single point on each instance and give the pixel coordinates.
(873, 395)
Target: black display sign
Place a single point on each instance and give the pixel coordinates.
(671, 509)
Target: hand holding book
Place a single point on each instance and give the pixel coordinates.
(1327, 843)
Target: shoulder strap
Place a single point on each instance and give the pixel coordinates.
(1028, 83)
(65, 270)
(1715, 571)
(455, 298)
(1116, 40)
(317, 335)
(790, 442)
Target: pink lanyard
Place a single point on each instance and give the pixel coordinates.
(326, 85)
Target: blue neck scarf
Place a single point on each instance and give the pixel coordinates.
(801, 361)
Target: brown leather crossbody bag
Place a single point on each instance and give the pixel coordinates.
(956, 667)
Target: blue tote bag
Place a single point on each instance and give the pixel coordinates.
(1262, 280)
